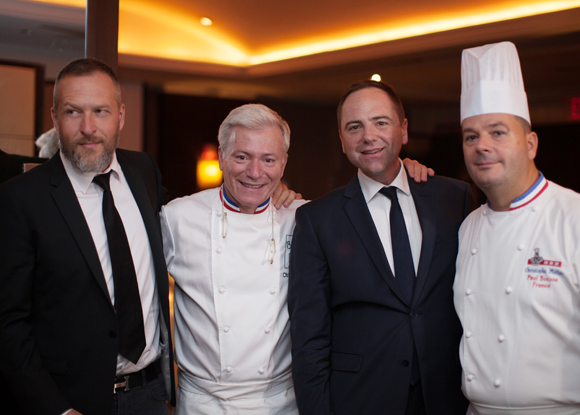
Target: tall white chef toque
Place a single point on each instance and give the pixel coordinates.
(492, 82)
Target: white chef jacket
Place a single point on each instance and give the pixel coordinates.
(517, 295)
(232, 337)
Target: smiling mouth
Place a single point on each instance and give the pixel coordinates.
(372, 151)
(252, 186)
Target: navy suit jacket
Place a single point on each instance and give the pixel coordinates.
(58, 342)
(353, 333)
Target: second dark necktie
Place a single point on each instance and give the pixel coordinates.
(402, 257)
(127, 300)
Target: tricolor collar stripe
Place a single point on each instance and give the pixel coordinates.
(231, 205)
(536, 190)
(532, 194)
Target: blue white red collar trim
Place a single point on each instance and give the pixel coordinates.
(532, 194)
(231, 205)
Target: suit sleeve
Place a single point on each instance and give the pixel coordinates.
(470, 203)
(20, 363)
(309, 305)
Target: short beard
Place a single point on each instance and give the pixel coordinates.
(85, 164)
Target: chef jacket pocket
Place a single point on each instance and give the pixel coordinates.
(55, 367)
(345, 362)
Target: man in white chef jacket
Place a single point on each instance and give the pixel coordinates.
(518, 277)
(227, 249)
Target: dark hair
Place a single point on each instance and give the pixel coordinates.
(85, 67)
(357, 86)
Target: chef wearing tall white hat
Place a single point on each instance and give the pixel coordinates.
(517, 288)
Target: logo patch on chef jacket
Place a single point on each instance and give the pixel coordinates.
(542, 273)
(287, 247)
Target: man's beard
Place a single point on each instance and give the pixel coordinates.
(84, 162)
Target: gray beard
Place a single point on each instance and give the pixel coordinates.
(86, 165)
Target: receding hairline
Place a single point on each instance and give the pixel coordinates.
(381, 86)
(86, 67)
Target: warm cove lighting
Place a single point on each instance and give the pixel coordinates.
(376, 77)
(157, 31)
(206, 21)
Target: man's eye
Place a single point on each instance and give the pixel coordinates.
(353, 127)
(498, 133)
(470, 137)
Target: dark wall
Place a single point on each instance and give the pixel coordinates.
(558, 151)
(315, 165)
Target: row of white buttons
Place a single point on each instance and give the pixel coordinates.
(474, 251)
(471, 377)
(222, 290)
(513, 212)
(508, 290)
(228, 328)
(230, 369)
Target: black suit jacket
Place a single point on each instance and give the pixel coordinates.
(58, 342)
(11, 164)
(352, 330)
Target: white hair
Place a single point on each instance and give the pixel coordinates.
(254, 117)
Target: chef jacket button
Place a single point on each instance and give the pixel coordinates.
(227, 329)
(468, 334)
(501, 338)
(470, 377)
(520, 247)
(474, 251)
(468, 292)
(484, 211)
(219, 214)
(534, 208)
(220, 249)
(261, 371)
(272, 291)
(508, 290)
(229, 369)
(497, 383)
(267, 330)
(222, 290)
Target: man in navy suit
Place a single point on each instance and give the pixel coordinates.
(374, 329)
(59, 327)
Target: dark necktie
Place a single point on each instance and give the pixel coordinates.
(127, 300)
(404, 268)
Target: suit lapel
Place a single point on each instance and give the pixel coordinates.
(362, 221)
(66, 200)
(428, 230)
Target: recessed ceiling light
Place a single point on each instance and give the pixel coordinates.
(206, 21)
(376, 77)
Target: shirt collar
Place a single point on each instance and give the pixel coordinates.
(371, 187)
(231, 205)
(82, 180)
(532, 194)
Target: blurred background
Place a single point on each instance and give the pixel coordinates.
(184, 64)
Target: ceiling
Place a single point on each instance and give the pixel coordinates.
(267, 47)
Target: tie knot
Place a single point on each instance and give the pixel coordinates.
(102, 180)
(390, 192)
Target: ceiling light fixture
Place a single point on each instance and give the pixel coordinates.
(376, 77)
(206, 21)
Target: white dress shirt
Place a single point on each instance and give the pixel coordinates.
(380, 207)
(90, 197)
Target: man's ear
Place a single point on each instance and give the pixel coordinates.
(532, 143)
